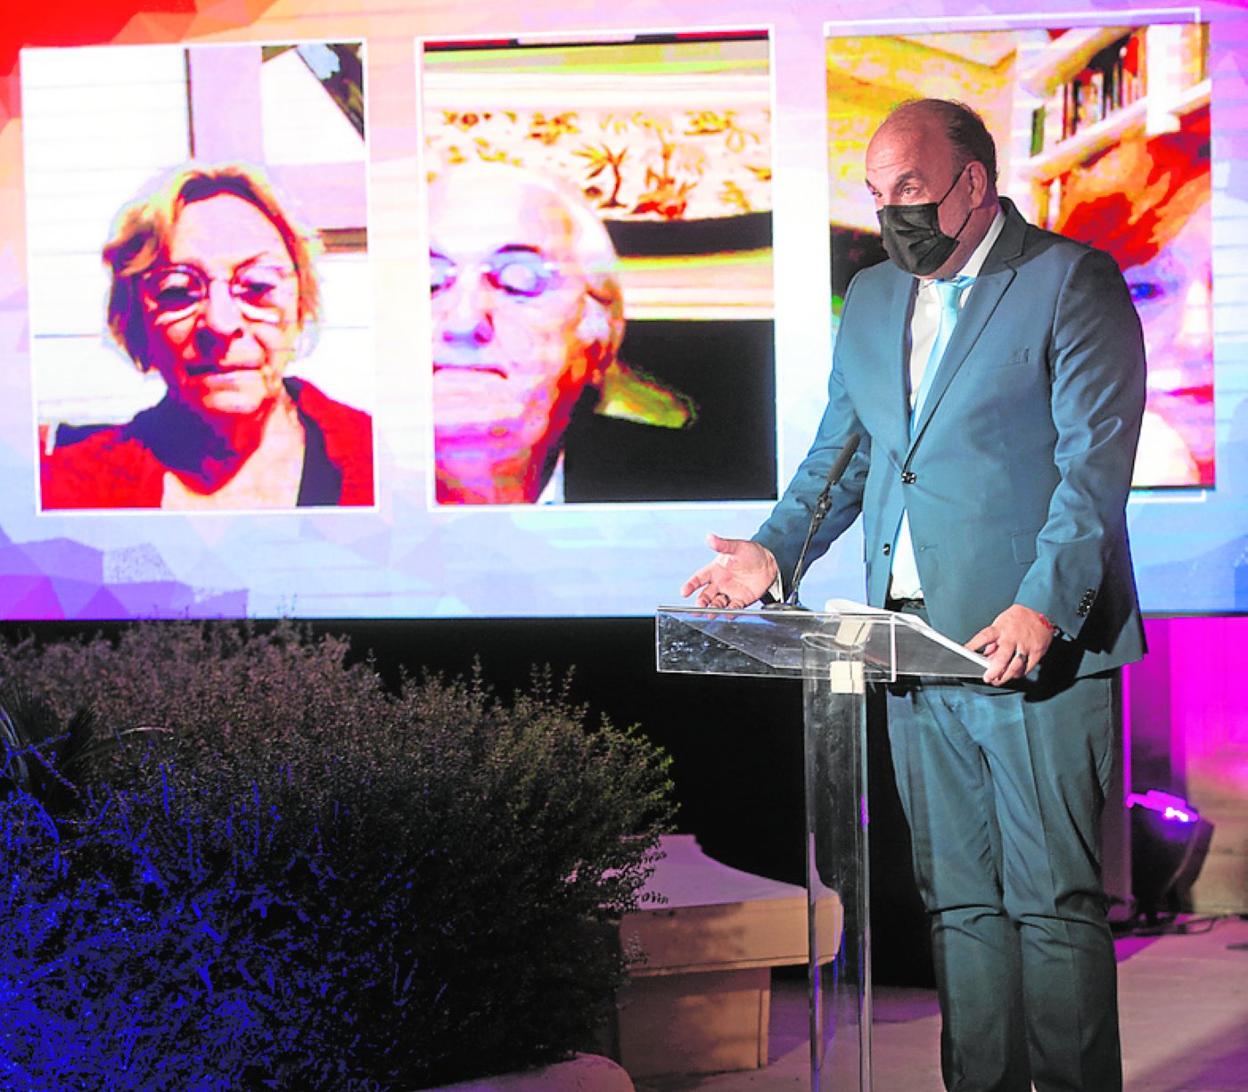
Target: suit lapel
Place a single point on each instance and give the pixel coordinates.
(994, 278)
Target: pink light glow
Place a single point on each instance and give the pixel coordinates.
(1171, 807)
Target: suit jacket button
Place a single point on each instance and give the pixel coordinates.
(887, 549)
(908, 477)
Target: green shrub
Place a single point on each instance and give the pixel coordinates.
(302, 881)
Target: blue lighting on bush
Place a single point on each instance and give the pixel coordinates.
(305, 882)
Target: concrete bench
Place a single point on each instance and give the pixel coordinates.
(700, 995)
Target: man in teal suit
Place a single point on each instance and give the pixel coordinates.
(995, 375)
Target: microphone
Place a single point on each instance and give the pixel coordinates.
(822, 504)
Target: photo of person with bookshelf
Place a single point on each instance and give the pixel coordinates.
(1119, 159)
(1168, 62)
(1147, 201)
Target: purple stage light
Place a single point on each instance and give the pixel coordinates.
(1169, 843)
(1165, 804)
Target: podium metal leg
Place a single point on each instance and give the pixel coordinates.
(837, 877)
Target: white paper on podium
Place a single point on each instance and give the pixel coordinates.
(852, 629)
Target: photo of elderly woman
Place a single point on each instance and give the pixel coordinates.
(201, 324)
(213, 288)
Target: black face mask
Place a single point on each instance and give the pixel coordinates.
(912, 235)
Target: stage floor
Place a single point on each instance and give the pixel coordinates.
(1183, 1005)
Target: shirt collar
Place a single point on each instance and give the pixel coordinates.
(552, 491)
(980, 254)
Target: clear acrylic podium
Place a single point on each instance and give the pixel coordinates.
(835, 654)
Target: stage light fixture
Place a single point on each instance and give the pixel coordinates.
(1169, 843)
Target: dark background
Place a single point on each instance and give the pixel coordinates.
(728, 451)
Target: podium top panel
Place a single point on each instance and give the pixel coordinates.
(773, 643)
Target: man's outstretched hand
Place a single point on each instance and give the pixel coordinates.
(740, 574)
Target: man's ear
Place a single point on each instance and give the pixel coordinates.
(980, 182)
(594, 332)
(594, 327)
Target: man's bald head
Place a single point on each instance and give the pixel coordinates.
(956, 123)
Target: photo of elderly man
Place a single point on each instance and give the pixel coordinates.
(527, 315)
(601, 308)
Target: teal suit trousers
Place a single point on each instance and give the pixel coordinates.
(1003, 790)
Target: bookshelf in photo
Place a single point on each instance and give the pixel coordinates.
(1090, 88)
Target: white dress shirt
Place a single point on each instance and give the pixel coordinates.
(552, 491)
(924, 326)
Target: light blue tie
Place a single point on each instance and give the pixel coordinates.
(949, 291)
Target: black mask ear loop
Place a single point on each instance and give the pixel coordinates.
(966, 219)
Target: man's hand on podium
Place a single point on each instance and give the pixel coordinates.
(1014, 644)
(741, 574)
